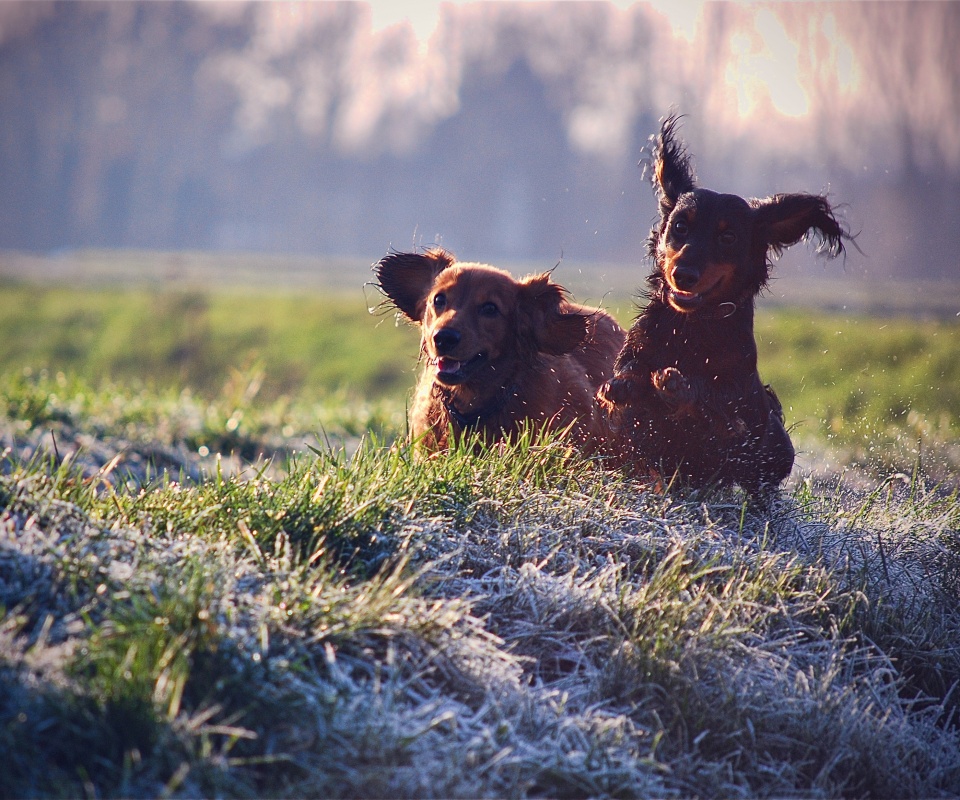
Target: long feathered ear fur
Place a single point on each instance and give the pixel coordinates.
(672, 171)
(541, 320)
(406, 278)
(672, 175)
(785, 219)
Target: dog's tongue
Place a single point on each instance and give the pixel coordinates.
(447, 364)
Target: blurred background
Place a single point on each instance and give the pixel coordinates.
(192, 195)
(504, 131)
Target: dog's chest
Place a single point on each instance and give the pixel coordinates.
(699, 350)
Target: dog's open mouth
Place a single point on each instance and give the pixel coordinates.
(685, 301)
(450, 370)
(691, 301)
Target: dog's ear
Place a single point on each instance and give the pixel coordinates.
(785, 219)
(672, 171)
(542, 320)
(406, 278)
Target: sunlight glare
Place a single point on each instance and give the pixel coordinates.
(683, 16)
(764, 68)
(422, 16)
(842, 61)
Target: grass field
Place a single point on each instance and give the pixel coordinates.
(180, 618)
(880, 391)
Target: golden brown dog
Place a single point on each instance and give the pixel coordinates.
(499, 352)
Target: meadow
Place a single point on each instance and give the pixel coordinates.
(224, 572)
(873, 391)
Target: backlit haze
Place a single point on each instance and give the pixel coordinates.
(505, 131)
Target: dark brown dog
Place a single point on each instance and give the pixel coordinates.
(499, 352)
(686, 399)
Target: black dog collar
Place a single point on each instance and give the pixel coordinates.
(475, 418)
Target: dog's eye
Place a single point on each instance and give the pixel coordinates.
(680, 228)
(439, 301)
(489, 310)
(727, 238)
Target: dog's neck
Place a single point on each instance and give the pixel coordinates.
(469, 415)
(742, 307)
(725, 310)
(739, 312)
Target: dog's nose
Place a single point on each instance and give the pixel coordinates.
(685, 278)
(445, 340)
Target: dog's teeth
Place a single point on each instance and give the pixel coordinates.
(448, 364)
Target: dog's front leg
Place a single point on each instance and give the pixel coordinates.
(628, 384)
(676, 392)
(690, 398)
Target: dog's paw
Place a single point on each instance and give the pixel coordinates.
(676, 392)
(616, 391)
(673, 387)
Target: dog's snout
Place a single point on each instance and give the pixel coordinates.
(445, 340)
(685, 278)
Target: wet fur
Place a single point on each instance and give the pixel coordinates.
(686, 399)
(523, 352)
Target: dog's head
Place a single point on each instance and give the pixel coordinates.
(712, 248)
(478, 323)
